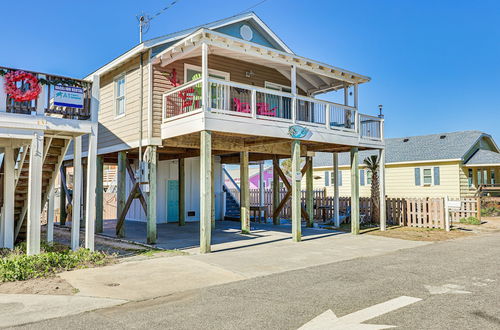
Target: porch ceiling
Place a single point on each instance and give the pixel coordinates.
(312, 76)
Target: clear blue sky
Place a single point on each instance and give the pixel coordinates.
(435, 64)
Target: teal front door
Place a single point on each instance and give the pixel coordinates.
(172, 200)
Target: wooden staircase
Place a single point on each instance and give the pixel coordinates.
(53, 154)
(232, 206)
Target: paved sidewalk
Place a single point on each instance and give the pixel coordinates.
(18, 309)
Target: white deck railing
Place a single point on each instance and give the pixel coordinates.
(238, 99)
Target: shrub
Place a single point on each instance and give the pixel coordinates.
(490, 211)
(15, 265)
(470, 221)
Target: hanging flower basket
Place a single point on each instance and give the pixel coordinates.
(15, 92)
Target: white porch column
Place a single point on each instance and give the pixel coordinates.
(40, 105)
(35, 194)
(296, 194)
(383, 214)
(336, 212)
(77, 192)
(293, 86)
(204, 76)
(356, 96)
(90, 206)
(50, 216)
(346, 95)
(9, 198)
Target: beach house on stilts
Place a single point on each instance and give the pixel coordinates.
(176, 108)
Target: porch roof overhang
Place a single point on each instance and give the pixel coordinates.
(312, 76)
(484, 158)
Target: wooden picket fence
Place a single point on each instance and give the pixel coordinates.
(411, 212)
(425, 212)
(469, 207)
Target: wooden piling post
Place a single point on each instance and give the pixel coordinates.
(381, 176)
(151, 158)
(77, 193)
(62, 196)
(99, 199)
(245, 193)
(354, 191)
(205, 191)
(296, 192)
(336, 194)
(121, 191)
(276, 190)
(182, 192)
(212, 206)
(8, 199)
(309, 191)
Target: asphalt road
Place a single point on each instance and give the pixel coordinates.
(458, 282)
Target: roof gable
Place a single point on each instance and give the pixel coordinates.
(260, 33)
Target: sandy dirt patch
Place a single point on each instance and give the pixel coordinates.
(53, 285)
(420, 234)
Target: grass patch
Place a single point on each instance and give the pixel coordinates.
(470, 221)
(15, 265)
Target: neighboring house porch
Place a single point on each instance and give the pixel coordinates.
(34, 138)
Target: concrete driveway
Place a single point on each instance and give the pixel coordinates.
(267, 250)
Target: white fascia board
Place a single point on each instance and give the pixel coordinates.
(404, 163)
(482, 165)
(264, 48)
(117, 61)
(300, 58)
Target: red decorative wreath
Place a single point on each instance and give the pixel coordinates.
(16, 93)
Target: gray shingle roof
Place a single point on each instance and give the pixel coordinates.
(481, 157)
(415, 148)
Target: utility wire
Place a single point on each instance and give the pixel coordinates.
(252, 7)
(163, 10)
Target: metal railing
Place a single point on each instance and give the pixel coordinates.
(45, 102)
(256, 102)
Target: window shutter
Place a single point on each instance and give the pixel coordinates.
(436, 176)
(339, 180)
(417, 176)
(327, 178)
(362, 177)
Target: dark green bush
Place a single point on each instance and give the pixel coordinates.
(470, 221)
(15, 265)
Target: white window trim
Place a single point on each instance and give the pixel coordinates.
(422, 183)
(115, 82)
(226, 75)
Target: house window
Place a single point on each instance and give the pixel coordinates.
(332, 178)
(492, 176)
(470, 178)
(427, 175)
(120, 95)
(368, 177)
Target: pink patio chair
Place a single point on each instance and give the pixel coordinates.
(263, 109)
(242, 106)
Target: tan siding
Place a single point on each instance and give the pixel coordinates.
(400, 181)
(234, 67)
(112, 130)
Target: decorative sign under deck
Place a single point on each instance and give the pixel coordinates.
(299, 132)
(67, 96)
